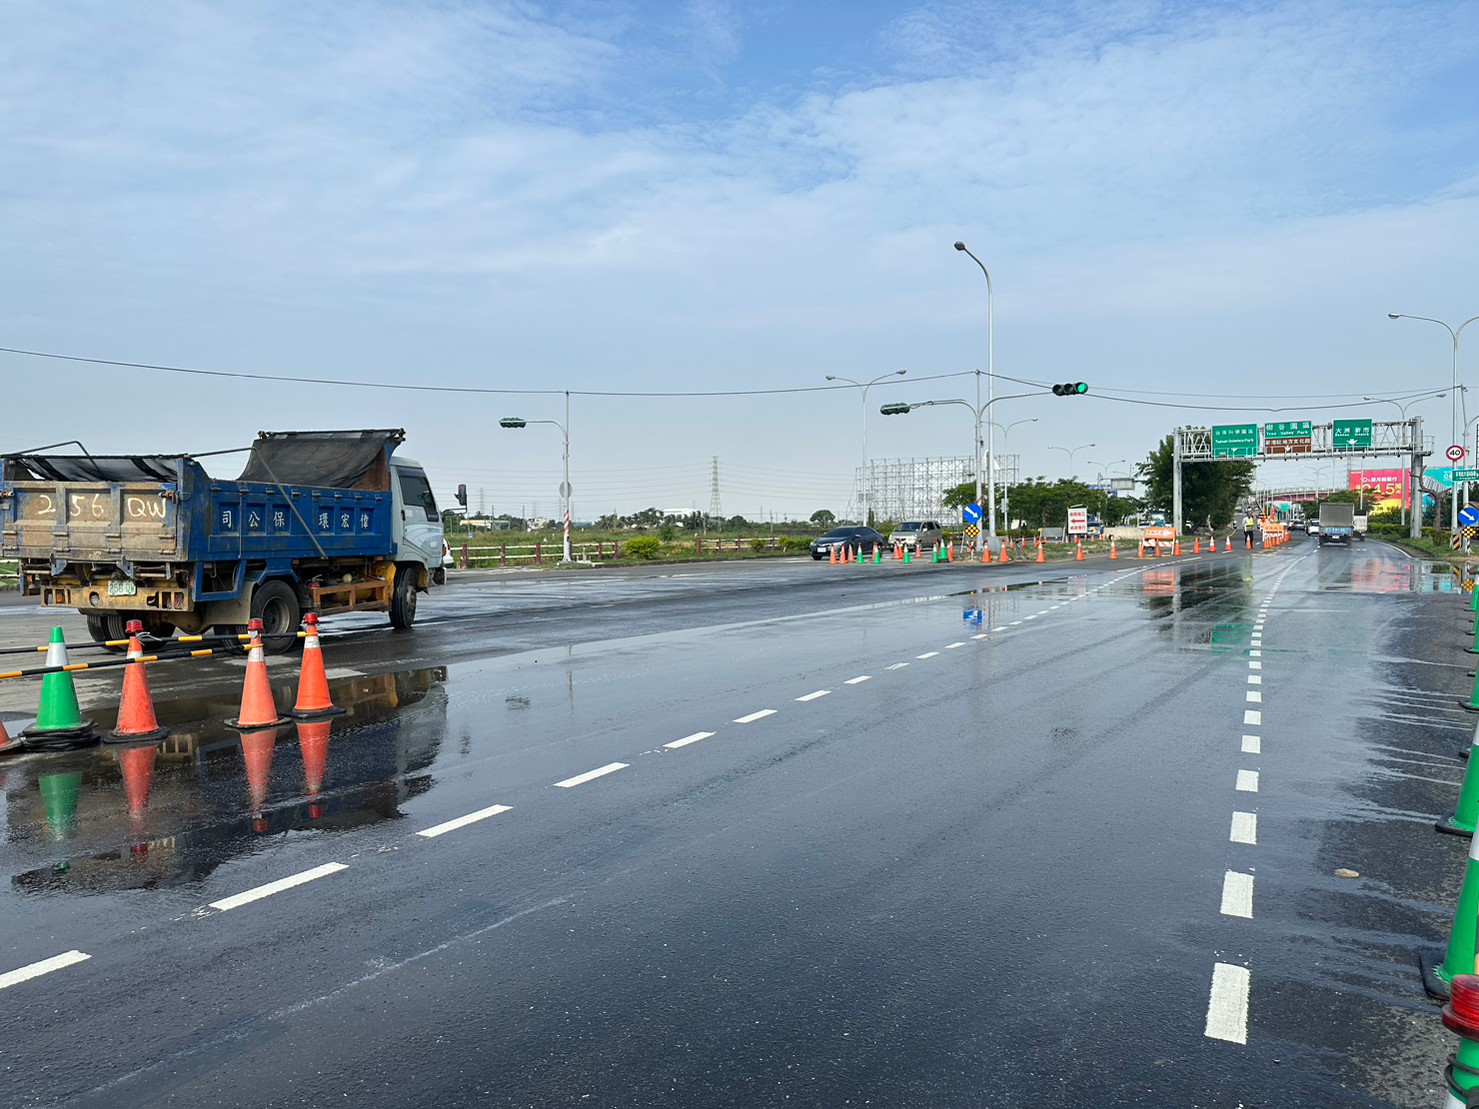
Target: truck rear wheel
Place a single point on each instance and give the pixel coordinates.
(403, 598)
(108, 626)
(275, 603)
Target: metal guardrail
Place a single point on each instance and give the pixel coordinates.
(484, 556)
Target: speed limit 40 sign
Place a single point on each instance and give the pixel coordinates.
(1455, 453)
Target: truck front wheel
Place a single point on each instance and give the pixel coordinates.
(403, 598)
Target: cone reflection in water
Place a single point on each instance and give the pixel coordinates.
(256, 750)
(313, 743)
(136, 719)
(59, 802)
(137, 766)
(59, 716)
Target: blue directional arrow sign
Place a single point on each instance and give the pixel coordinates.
(971, 514)
(1469, 516)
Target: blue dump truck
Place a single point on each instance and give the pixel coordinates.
(1337, 523)
(332, 521)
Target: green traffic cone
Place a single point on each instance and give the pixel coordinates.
(1473, 649)
(59, 799)
(1473, 597)
(1458, 957)
(58, 717)
(1466, 812)
(877, 557)
(907, 558)
(1462, 1073)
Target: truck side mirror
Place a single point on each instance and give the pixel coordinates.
(462, 495)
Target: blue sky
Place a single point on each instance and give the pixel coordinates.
(1175, 201)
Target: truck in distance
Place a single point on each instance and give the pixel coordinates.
(1337, 523)
(332, 521)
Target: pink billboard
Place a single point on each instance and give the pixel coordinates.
(1384, 487)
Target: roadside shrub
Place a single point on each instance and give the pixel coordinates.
(795, 544)
(643, 546)
(757, 544)
(667, 533)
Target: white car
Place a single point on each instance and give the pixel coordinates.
(439, 575)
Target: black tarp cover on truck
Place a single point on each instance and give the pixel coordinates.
(84, 467)
(328, 459)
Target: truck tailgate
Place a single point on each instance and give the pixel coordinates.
(84, 521)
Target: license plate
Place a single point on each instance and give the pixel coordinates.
(122, 588)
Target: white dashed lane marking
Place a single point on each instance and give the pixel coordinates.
(814, 696)
(1237, 894)
(898, 666)
(1252, 716)
(462, 821)
(1252, 745)
(859, 680)
(1247, 781)
(1254, 697)
(257, 893)
(928, 654)
(754, 716)
(1244, 828)
(45, 966)
(686, 740)
(591, 775)
(1227, 1008)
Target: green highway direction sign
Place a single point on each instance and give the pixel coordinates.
(1296, 429)
(1463, 475)
(1351, 434)
(1234, 440)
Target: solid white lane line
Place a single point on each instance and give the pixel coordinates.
(686, 740)
(1255, 679)
(462, 821)
(1227, 1008)
(754, 716)
(1244, 828)
(590, 775)
(898, 666)
(814, 696)
(45, 966)
(859, 680)
(1254, 697)
(1237, 894)
(1252, 745)
(1247, 781)
(928, 654)
(952, 646)
(1254, 664)
(256, 894)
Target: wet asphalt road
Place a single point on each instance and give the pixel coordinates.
(975, 852)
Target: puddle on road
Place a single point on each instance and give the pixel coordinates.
(159, 815)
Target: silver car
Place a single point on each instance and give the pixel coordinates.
(920, 535)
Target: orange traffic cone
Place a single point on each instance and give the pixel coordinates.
(313, 684)
(986, 552)
(313, 742)
(1041, 557)
(256, 751)
(5, 741)
(1157, 548)
(832, 555)
(1248, 539)
(258, 709)
(950, 553)
(1176, 547)
(1004, 556)
(1114, 552)
(1078, 552)
(1140, 550)
(136, 720)
(1196, 546)
(137, 766)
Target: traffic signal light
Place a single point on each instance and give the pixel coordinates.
(1070, 389)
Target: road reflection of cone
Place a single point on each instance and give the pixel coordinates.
(136, 720)
(258, 709)
(59, 802)
(313, 683)
(313, 742)
(256, 751)
(59, 721)
(137, 767)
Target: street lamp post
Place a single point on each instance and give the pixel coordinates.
(1454, 334)
(990, 397)
(1104, 496)
(863, 473)
(514, 422)
(979, 411)
(1071, 452)
(1006, 490)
